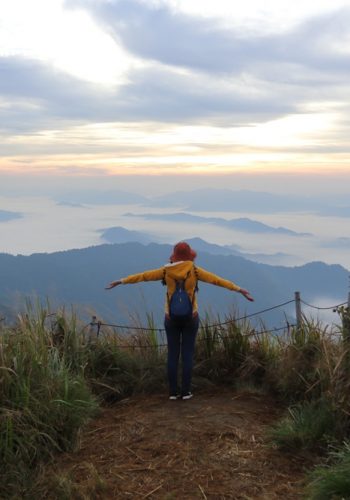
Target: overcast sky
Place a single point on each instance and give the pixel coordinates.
(101, 87)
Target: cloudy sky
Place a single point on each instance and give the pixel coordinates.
(155, 96)
(195, 87)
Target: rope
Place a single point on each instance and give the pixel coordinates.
(323, 308)
(220, 338)
(128, 327)
(272, 330)
(250, 315)
(214, 325)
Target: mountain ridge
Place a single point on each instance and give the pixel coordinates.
(244, 224)
(79, 276)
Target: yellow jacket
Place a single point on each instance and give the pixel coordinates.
(180, 271)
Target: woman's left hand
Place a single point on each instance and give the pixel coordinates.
(246, 294)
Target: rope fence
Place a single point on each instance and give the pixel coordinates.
(98, 325)
(253, 333)
(218, 339)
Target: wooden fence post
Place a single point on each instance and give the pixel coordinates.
(298, 312)
(93, 330)
(346, 320)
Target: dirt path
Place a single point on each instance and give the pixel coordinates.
(211, 447)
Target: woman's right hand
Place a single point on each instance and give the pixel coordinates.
(113, 284)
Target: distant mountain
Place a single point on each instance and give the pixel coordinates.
(121, 235)
(209, 200)
(223, 200)
(253, 226)
(343, 242)
(70, 204)
(79, 276)
(7, 216)
(335, 211)
(246, 201)
(98, 197)
(241, 224)
(203, 246)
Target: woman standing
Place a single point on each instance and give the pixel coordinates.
(181, 310)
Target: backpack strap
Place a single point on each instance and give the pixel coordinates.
(196, 289)
(196, 273)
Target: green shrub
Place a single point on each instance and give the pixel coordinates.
(308, 425)
(257, 365)
(221, 350)
(332, 481)
(117, 368)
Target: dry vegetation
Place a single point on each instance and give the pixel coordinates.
(213, 446)
(223, 444)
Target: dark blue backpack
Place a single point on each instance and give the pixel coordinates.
(180, 305)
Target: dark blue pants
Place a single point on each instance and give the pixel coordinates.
(181, 338)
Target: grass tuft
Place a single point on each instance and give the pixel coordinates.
(308, 425)
(332, 480)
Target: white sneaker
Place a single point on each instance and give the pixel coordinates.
(173, 397)
(189, 395)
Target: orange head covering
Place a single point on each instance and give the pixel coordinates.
(182, 251)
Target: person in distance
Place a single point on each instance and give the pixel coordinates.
(181, 321)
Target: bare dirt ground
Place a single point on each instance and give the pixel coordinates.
(211, 447)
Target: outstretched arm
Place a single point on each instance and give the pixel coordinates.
(208, 277)
(153, 275)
